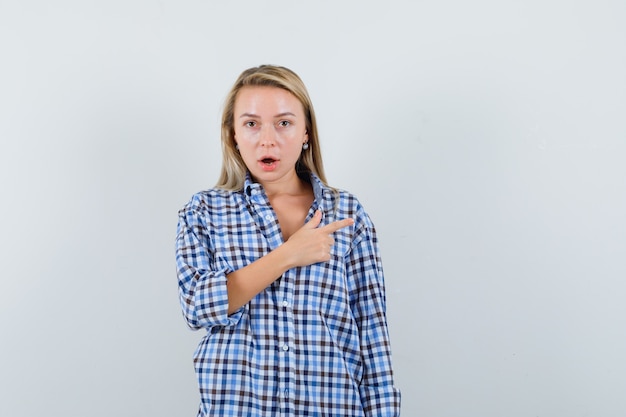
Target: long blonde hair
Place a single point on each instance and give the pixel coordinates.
(234, 169)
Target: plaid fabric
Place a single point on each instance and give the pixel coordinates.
(313, 343)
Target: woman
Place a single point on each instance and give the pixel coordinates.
(282, 270)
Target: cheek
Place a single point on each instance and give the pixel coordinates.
(237, 134)
(243, 138)
(250, 136)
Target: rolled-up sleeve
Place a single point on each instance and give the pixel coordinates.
(202, 290)
(378, 394)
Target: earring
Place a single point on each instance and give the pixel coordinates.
(237, 147)
(305, 145)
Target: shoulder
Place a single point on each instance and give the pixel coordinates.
(213, 200)
(340, 201)
(347, 204)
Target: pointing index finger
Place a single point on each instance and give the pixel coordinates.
(339, 224)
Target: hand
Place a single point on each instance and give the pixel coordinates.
(312, 244)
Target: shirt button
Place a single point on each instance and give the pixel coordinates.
(285, 348)
(254, 191)
(285, 303)
(286, 393)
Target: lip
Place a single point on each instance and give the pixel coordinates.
(268, 167)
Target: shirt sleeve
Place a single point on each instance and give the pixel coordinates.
(202, 291)
(378, 394)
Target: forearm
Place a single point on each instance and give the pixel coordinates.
(245, 283)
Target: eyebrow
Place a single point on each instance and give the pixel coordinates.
(288, 113)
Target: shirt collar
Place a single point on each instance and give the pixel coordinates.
(322, 194)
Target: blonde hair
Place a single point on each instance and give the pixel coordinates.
(234, 169)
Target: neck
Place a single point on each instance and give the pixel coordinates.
(290, 184)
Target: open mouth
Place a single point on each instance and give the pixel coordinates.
(268, 163)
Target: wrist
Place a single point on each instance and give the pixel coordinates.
(284, 258)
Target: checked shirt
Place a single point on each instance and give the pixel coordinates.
(314, 342)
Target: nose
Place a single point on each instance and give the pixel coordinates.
(268, 138)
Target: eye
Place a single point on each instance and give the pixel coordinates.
(284, 123)
(250, 123)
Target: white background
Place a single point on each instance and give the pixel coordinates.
(487, 140)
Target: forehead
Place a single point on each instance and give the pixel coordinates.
(266, 99)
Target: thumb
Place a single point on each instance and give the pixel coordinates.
(315, 220)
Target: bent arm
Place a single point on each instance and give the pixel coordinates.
(245, 283)
(211, 298)
(310, 244)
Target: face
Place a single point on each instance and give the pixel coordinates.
(270, 129)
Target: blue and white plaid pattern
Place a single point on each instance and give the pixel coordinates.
(313, 343)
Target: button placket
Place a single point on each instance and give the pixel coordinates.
(286, 339)
(264, 216)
